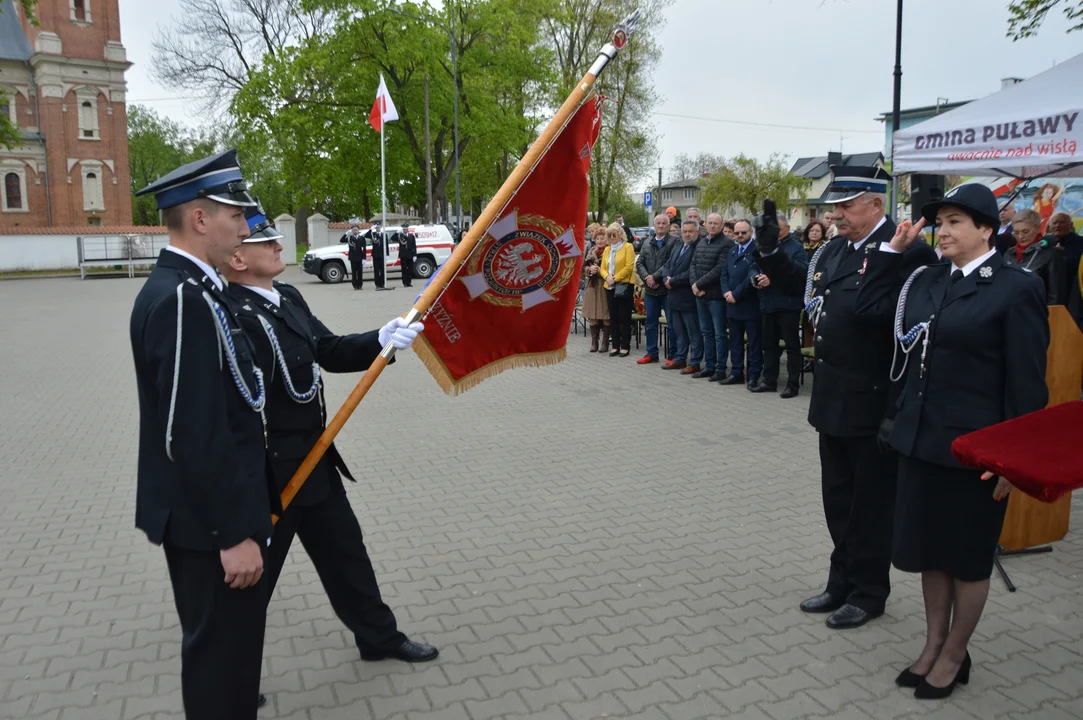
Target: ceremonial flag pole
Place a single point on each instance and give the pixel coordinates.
(383, 111)
(448, 272)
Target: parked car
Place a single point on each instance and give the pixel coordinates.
(434, 245)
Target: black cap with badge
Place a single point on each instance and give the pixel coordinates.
(853, 182)
(976, 200)
(215, 178)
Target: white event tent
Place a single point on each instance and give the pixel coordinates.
(1028, 130)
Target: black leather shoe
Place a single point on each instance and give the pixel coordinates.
(262, 698)
(925, 691)
(409, 651)
(763, 388)
(703, 374)
(789, 392)
(718, 377)
(733, 380)
(848, 616)
(822, 603)
(909, 679)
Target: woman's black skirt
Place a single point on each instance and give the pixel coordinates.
(946, 520)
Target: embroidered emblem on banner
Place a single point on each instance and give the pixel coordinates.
(523, 260)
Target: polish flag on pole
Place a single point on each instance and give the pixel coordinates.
(383, 110)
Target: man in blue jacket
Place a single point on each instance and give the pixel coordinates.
(684, 317)
(781, 310)
(743, 316)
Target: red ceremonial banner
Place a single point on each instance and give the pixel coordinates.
(511, 303)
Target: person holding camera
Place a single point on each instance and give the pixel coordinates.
(851, 393)
(780, 308)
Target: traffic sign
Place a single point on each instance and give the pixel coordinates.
(647, 199)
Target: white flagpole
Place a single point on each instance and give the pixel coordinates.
(383, 177)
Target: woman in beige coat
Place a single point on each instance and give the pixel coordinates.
(595, 301)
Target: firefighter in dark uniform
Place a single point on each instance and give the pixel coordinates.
(407, 255)
(203, 488)
(355, 241)
(973, 332)
(379, 252)
(851, 389)
(291, 347)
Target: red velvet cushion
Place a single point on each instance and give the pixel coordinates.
(1040, 453)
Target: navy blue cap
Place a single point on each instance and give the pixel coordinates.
(259, 225)
(852, 182)
(975, 199)
(216, 178)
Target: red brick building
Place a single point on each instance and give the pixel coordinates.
(63, 85)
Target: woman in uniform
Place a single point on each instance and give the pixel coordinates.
(973, 334)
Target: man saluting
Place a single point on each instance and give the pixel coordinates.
(202, 489)
(292, 346)
(851, 391)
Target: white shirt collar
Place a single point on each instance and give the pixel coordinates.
(974, 264)
(271, 295)
(857, 245)
(207, 269)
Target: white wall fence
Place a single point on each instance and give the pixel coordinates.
(42, 250)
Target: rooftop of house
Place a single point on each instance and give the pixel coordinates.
(681, 184)
(814, 168)
(14, 44)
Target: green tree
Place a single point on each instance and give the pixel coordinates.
(627, 144)
(686, 167)
(745, 182)
(1027, 16)
(157, 145)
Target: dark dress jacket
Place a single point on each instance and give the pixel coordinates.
(679, 270)
(785, 297)
(851, 393)
(357, 247)
(292, 427)
(203, 483)
(1047, 262)
(707, 262)
(737, 276)
(986, 358)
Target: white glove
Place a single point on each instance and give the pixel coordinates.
(399, 333)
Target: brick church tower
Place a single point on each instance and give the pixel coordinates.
(62, 84)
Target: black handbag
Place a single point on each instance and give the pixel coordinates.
(622, 290)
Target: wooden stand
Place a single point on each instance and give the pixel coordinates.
(1030, 523)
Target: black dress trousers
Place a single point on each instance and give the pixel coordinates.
(222, 646)
(859, 502)
(357, 274)
(331, 535)
(782, 327)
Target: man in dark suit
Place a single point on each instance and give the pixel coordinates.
(407, 255)
(379, 253)
(743, 316)
(357, 251)
(851, 391)
(780, 310)
(684, 317)
(203, 490)
(291, 346)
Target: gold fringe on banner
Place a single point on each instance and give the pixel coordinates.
(443, 377)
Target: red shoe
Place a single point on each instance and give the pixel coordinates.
(690, 370)
(674, 365)
(646, 360)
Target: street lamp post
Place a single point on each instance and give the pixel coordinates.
(455, 96)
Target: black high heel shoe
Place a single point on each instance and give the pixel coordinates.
(909, 679)
(925, 691)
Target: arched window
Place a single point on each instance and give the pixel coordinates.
(80, 11)
(88, 119)
(13, 192)
(92, 192)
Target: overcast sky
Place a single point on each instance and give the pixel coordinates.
(767, 63)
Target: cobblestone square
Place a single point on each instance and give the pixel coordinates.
(592, 540)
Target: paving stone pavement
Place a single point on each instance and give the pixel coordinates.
(592, 540)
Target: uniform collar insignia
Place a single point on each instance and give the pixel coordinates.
(986, 271)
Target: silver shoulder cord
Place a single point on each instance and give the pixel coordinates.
(813, 305)
(908, 340)
(308, 395)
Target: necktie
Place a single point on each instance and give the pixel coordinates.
(683, 248)
(956, 276)
(850, 250)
